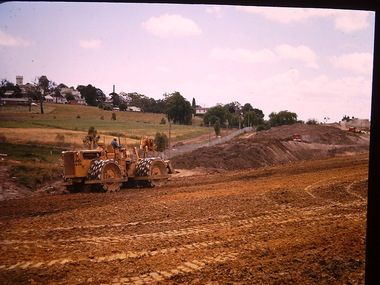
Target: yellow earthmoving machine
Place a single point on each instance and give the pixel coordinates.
(108, 169)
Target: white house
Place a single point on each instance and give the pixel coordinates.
(49, 98)
(201, 111)
(134, 109)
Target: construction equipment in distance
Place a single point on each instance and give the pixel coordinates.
(108, 169)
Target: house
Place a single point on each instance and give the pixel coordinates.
(15, 101)
(25, 88)
(201, 111)
(78, 100)
(49, 99)
(60, 100)
(134, 109)
(65, 91)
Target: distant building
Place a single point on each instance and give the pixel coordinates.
(134, 109)
(60, 100)
(19, 80)
(201, 111)
(65, 91)
(49, 99)
(25, 88)
(15, 101)
(77, 101)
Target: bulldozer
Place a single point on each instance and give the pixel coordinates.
(108, 169)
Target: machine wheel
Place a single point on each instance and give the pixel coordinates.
(111, 170)
(151, 167)
(158, 167)
(105, 169)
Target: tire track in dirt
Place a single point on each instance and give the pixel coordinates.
(269, 218)
(331, 181)
(184, 268)
(114, 225)
(267, 215)
(111, 257)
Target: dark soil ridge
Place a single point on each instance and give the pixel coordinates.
(275, 146)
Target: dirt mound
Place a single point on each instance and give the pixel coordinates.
(273, 147)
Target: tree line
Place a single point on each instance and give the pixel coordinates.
(178, 110)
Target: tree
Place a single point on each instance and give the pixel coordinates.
(161, 141)
(69, 96)
(193, 104)
(9, 86)
(43, 86)
(233, 107)
(217, 112)
(258, 113)
(282, 118)
(312, 122)
(217, 128)
(57, 94)
(146, 104)
(116, 100)
(247, 108)
(347, 118)
(252, 119)
(123, 107)
(61, 85)
(92, 137)
(178, 109)
(92, 95)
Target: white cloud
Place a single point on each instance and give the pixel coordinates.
(344, 20)
(359, 62)
(90, 44)
(350, 21)
(244, 55)
(279, 53)
(167, 25)
(315, 97)
(300, 53)
(8, 40)
(218, 11)
(285, 15)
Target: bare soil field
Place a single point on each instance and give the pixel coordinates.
(297, 223)
(300, 221)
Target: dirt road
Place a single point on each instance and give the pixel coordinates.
(295, 223)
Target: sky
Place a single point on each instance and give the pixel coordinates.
(314, 62)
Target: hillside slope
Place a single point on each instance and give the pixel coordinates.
(273, 147)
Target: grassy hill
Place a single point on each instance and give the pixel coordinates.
(69, 124)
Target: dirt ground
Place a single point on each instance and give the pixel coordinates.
(296, 222)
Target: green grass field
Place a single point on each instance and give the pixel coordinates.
(19, 125)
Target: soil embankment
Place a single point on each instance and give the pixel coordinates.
(275, 146)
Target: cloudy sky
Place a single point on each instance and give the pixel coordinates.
(314, 62)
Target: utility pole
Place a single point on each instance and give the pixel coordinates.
(170, 136)
(209, 133)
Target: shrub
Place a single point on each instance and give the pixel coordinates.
(217, 128)
(161, 140)
(107, 107)
(312, 122)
